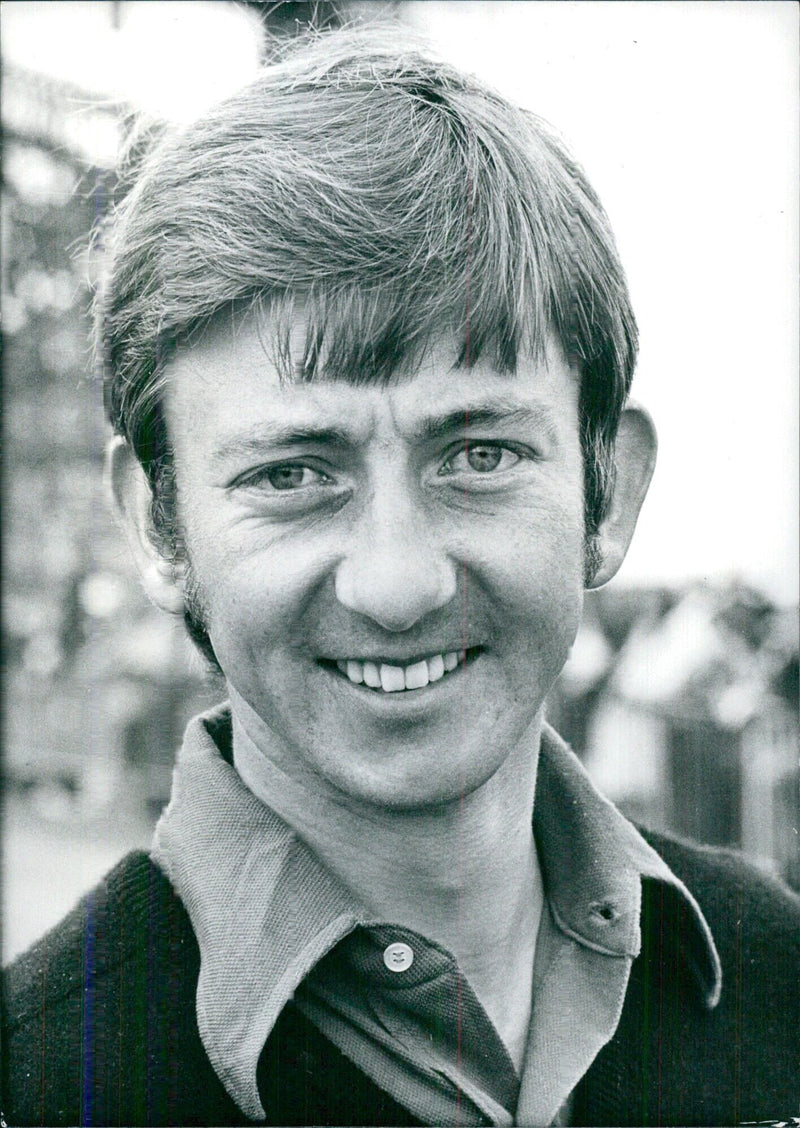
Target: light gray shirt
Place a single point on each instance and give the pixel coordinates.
(274, 925)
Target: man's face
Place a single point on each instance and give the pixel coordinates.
(428, 532)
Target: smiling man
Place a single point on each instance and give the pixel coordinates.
(367, 347)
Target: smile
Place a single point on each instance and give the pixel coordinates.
(392, 678)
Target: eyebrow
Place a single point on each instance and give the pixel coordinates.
(277, 438)
(469, 418)
(529, 417)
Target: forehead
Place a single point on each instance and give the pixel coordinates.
(242, 374)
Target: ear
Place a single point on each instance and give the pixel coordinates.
(635, 460)
(131, 499)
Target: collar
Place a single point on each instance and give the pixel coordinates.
(258, 898)
(593, 861)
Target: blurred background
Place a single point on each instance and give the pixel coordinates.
(681, 694)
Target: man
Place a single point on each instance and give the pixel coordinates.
(367, 346)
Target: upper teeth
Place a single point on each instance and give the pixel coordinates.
(393, 678)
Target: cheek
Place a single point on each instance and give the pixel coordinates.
(539, 548)
(257, 596)
(536, 573)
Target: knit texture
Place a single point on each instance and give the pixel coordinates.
(673, 1061)
(99, 1023)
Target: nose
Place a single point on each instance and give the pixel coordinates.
(395, 570)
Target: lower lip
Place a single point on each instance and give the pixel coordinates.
(408, 701)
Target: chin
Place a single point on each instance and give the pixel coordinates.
(407, 788)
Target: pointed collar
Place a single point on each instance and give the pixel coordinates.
(593, 861)
(265, 910)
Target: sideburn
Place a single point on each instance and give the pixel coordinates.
(592, 558)
(168, 538)
(194, 614)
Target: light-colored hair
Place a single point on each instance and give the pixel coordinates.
(400, 202)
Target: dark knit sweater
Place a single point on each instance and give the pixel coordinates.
(99, 1019)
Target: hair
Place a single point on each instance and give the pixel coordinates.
(393, 199)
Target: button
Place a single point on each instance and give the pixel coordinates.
(398, 957)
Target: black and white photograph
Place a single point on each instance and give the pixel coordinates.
(400, 499)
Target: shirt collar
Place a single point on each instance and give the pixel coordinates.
(593, 861)
(258, 897)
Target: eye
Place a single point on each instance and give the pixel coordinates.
(286, 476)
(481, 458)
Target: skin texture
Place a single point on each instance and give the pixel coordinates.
(442, 512)
(388, 543)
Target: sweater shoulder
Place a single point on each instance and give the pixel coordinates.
(731, 890)
(121, 916)
(99, 1022)
(676, 1058)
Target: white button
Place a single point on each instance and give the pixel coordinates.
(398, 957)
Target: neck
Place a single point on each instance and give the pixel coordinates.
(464, 873)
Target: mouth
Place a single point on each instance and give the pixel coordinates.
(380, 676)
